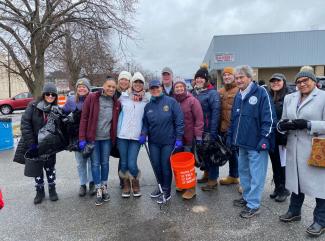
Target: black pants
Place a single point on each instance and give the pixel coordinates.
(278, 171)
(296, 202)
(49, 167)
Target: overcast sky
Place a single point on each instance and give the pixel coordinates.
(177, 33)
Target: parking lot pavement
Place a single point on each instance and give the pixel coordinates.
(210, 216)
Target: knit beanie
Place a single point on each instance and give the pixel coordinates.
(203, 73)
(179, 80)
(229, 70)
(124, 75)
(137, 76)
(306, 74)
(49, 88)
(83, 81)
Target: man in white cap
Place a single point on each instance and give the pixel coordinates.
(167, 81)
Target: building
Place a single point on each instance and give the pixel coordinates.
(267, 53)
(10, 84)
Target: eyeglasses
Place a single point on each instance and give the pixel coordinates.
(50, 94)
(303, 81)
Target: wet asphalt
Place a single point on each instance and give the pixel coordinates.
(209, 216)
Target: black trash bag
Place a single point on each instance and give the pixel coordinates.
(115, 152)
(201, 152)
(72, 122)
(34, 163)
(86, 152)
(53, 137)
(219, 152)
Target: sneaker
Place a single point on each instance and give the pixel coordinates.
(105, 194)
(82, 190)
(99, 197)
(164, 198)
(156, 193)
(92, 189)
(290, 217)
(249, 212)
(239, 202)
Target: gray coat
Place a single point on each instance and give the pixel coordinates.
(311, 179)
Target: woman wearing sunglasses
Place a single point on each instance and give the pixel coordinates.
(33, 119)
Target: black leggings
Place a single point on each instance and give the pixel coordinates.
(49, 167)
(278, 171)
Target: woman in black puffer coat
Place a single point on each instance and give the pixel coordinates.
(34, 118)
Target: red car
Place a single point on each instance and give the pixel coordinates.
(18, 102)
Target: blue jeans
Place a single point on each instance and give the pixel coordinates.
(213, 171)
(252, 166)
(296, 202)
(159, 155)
(84, 168)
(99, 161)
(129, 150)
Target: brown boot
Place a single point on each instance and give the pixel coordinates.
(204, 178)
(211, 185)
(228, 180)
(189, 193)
(126, 184)
(136, 185)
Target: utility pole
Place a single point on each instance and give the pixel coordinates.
(9, 82)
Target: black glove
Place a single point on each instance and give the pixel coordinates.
(286, 125)
(300, 124)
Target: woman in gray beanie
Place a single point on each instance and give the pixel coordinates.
(303, 118)
(74, 104)
(33, 119)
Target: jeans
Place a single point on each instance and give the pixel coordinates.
(252, 167)
(213, 171)
(129, 150)
(99, 161)
(296, 202)
(159, 155)
(84, 168)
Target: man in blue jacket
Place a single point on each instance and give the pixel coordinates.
(252, 131)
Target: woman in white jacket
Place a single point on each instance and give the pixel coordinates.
(128, 132)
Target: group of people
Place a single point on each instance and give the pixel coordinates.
(255, 123)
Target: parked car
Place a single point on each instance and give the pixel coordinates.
(18, 102)
(321, 82)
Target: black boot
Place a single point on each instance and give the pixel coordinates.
(92, 189)
(283, 193)
(274, 193)
(40, 195)
(82, 190)
(52, 193)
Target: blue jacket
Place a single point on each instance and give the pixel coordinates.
(211, 106)
(163, 121)
(252, 119)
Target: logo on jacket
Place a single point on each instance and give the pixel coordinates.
(252, 100)
(166, 108)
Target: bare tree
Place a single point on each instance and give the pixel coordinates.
(30, 27)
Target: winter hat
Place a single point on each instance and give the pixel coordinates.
(83, 81)
(179, 80)
(49, 88)
(306, 74)
(307, 68)
(279, 76)
(137, 76)
(203, 73)
(124, 75)
(154, 83)
(167, 70)
(229, 70)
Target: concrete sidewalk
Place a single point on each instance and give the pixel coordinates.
(210, 216)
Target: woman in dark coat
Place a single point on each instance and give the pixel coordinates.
(278, 90)
(33, 119)
(211, 105)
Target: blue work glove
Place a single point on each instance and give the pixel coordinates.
(142, 139)
(178, 144)
(263, 144)
(33, 147)
(82, 145)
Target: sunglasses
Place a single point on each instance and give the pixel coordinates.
(50, 94)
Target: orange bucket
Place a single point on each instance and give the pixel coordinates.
(184, 171)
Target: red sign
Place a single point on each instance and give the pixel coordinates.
(225, 58)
